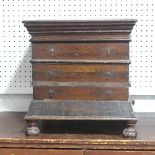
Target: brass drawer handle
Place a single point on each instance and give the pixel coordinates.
(50, 93)
(109, 51)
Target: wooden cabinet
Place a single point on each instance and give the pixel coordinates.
(79, 63)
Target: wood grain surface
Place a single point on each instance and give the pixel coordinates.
(80, 93)
(73, 51)
(80, 72)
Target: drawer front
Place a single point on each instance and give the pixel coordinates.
(80, 93)
(4, 151)
(85, 51)
(80, 72)
(104, 152)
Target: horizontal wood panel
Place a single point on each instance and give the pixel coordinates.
(4, 151)
(80, 93)
(104, 152)
(118, 25)
(80, 72)
(80, 110)
(81, 37)
(73, 51)
(79, 61)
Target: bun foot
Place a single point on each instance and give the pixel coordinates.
(32, 129)
(129, 133)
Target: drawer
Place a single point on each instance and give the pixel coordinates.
(104, 152)
(15, 151)
(85, 51)
(80, 92)
(81, 72)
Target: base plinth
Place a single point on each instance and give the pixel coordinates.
(81, 110)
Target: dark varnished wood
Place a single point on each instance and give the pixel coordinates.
(83, 38)
(87, 72)
(74, 51)
(81, 61)
(80, 110)
(80, 93)
(121, 25)
(80, 31)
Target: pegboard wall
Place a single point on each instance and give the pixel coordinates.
(15, 49)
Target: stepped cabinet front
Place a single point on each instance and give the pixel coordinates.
(80, 71)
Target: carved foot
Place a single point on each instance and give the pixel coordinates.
(130, 132)
(32, 129)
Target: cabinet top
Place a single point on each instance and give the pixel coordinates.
(35, 26)
(79, 30)
(106, 21)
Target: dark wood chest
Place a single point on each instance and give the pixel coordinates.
(80, 71)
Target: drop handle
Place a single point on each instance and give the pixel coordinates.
(50, 93)
(51, 51)
(50, 74)
(108, 75)
(109, 51)
(108, 94)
